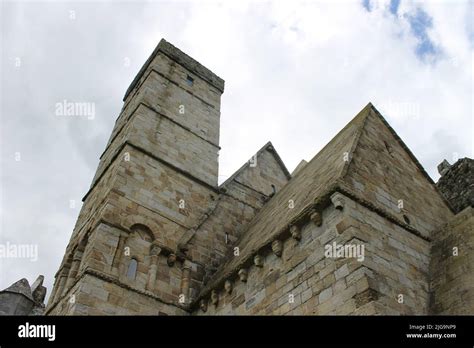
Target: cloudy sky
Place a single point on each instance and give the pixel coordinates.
(295, 72)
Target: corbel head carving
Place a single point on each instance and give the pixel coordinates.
(258, 260)
(295, 232)
(338, 200)
(243, 274)
(277, 247)
(316, 218)
(155, 249)
(171, 260)
(228, 286)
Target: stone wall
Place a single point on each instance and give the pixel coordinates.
(452, 266)
(457, 183)
(241, 198)
(93, 295)
(156, 235)
(102, 276)
(384, 172)
(127, 203)
(21, 299)
(304, 280)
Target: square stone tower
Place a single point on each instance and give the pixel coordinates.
(156, 179)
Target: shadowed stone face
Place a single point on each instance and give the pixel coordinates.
(456, 183)
(20, 299)
(228, 286)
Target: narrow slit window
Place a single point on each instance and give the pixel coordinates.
(132, 269)
(407, 220)
(189, 80)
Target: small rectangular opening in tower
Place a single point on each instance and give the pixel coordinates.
(189, 80)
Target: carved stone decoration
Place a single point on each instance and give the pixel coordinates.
(337, 200)
(316, 218)
(243, 275)
(295, 232)
(203, 305)
(171, 260)
(258, 260)
(228, 286)
(277, 247)
(155, 250)
(214, 297)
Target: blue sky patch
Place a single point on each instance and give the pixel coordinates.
(366, 4)
(420, 22)
(394, 6)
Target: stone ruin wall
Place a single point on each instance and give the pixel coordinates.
(303, 281)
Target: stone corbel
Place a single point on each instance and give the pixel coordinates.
(258, 260)
(277, 247)
(155, 250)
(338, 200)
(228, 286)
(295, 232)
(171, 260)
(316, 218)
(214, 297)
(243, 274)
(203, 305)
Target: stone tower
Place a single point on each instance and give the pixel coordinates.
(155, 180)
(154, 226)
(359, 229)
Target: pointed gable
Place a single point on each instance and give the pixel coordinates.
(384, 172)
(314, 180)
(262, 171)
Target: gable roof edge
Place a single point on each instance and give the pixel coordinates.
(412, 156)
(268, 146)
(359, 131)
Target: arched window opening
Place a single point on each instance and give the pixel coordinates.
(143, 231)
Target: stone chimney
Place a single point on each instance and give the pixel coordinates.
(443, 167)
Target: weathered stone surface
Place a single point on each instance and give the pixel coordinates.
(21, 299)
(452, 266)
(357, 227)
(456, 183)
